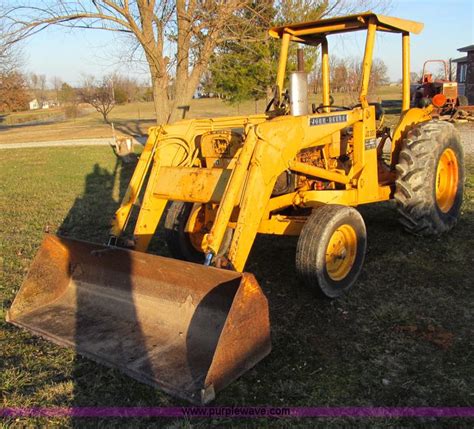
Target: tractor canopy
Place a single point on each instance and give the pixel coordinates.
(313, 32)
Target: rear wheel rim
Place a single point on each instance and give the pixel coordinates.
(341, 252)
(196, 237)
(447, 176)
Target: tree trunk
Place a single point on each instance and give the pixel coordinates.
(160, 99)
(183, 94)
(182, 98)
(166, 110)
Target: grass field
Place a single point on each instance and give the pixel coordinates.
(402, 337)
(135, 118)
(29, 116)
(129, 120)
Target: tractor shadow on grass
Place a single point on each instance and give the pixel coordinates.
(89, 220)
(94, 384)
(136, 129)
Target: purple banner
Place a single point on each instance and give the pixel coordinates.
(238, 412)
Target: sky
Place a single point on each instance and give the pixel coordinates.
(449, 25)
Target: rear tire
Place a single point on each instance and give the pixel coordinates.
(430, 178)
(331, 250)
(179, 241)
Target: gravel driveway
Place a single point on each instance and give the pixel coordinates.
(77, 142)
(141, 140)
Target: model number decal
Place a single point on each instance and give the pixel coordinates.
(370, 134)
(370, 144)
(325, 120)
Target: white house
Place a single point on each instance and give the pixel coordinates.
(34, 104)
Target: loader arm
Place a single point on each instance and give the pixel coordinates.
(166, 146)
(122, 215)
(274, 146)
(246, 184)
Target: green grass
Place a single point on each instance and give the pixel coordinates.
(16, 118)
(402, 337)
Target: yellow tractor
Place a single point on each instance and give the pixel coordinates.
(192, 324)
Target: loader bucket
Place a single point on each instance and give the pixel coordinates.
(183, 327)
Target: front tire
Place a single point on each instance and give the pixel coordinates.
(331, 250)
(430, 178)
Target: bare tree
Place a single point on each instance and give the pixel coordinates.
(177, 37)
(13, 88)
(10, 54)
(126, 89)
(56, 83)
(37, 83)
(414, 77)
(289, 11)
(378, 74)
(339, 75)
(99, 94)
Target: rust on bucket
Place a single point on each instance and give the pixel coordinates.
(183, 327)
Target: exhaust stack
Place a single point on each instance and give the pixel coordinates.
(299, 88)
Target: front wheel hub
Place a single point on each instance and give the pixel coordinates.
(341, 252)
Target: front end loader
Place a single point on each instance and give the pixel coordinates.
(194, 323)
